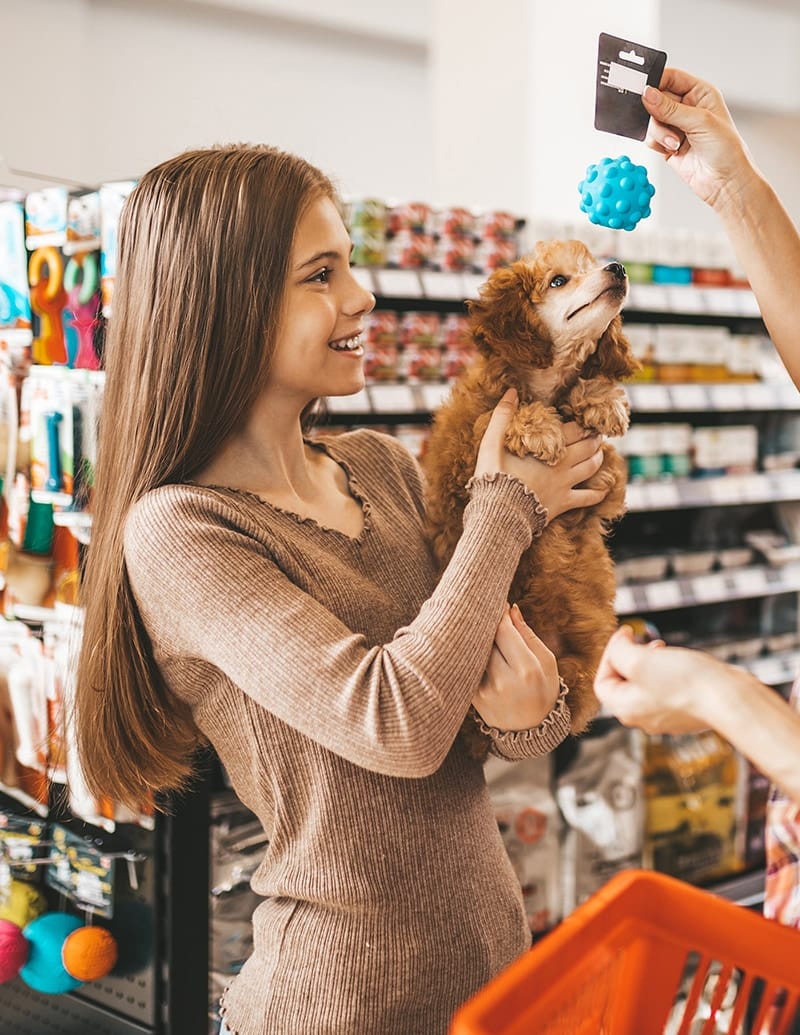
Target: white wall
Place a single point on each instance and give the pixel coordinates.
(135, 82)
(99, 89)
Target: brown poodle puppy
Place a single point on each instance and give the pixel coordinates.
(549, 326)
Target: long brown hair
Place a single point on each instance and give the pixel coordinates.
(203, 256)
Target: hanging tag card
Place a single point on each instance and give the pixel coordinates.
(624, 69)
(81, 871)
(20, 842)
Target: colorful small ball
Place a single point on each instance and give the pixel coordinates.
(89, 953)
(13, 949)
(22, 903)
(44, 971)
(616, 193)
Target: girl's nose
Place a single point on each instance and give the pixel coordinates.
(360, 299)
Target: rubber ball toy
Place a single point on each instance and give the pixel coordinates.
(616, 193)
(22, 903)
(13, 949)
(89, 953)
(44, 971)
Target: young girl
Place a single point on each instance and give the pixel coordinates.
(274, 595)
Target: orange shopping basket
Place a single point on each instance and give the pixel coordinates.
(647, 955)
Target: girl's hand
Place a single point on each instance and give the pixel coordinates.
(660, 689)
(692, 127)
(520, 685)
(556, 486)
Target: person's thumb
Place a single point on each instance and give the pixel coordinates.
(671, 112)
(623, 650)
(501, 416)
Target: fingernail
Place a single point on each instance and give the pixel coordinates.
(672, 143)
(516, 610)
(652, 94)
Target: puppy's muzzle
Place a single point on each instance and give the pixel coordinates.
(616, 269)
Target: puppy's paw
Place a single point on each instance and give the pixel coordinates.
(601, 406)
(536, 430)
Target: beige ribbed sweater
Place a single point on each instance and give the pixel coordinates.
(332, 674)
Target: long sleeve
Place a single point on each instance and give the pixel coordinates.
(214, 587)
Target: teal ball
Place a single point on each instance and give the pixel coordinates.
(43, 971)
(608, 192)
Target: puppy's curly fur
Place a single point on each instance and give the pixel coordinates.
(549, 326)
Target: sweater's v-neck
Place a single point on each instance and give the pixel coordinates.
(353, 488)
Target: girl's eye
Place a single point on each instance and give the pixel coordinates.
(558, 281)
(322, 276)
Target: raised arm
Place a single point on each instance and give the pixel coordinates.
(693, 129)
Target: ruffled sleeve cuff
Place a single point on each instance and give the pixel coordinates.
(513, 745)
(509, 497)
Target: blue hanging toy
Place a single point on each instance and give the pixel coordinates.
(616, 193)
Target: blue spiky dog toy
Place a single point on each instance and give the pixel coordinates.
(616, 193)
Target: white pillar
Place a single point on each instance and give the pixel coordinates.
(513, 87)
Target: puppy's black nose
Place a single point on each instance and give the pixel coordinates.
(617, 269)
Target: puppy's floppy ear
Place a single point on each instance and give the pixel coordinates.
(613, 357)
(503, 317)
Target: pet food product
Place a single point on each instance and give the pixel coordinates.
(409, 250)
(492, 253)
(693, 789)
(381, 362)
(529, 822)
(600, 797)
(413, 217)
(367, 214)
(237, 845)
(420, 329)
(454, 222)
(369, 249)
(421, 363)
(453, 253)
(381, 346)
(497, 225)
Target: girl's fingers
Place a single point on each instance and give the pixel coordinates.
(583, 449)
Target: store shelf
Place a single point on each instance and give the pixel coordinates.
(726, 490)
(421, 399)
(765, 396)
(745, 889)
(744, 583)
(692, 300)
(664, 299)
(390, 399)
(774, 669)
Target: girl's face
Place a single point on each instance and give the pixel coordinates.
(319, 350)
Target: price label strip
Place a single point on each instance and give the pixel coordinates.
(399, 283)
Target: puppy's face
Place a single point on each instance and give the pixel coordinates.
(576, 298)
(551, 309)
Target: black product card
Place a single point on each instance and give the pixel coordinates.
(623, 71)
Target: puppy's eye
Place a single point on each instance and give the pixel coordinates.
(558, 281)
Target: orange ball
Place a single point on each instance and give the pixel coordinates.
(89, 953)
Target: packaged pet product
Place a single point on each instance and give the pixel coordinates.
(237, 847)
(600, 797)
(529, 822)
(15, 306)
(693, 786)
